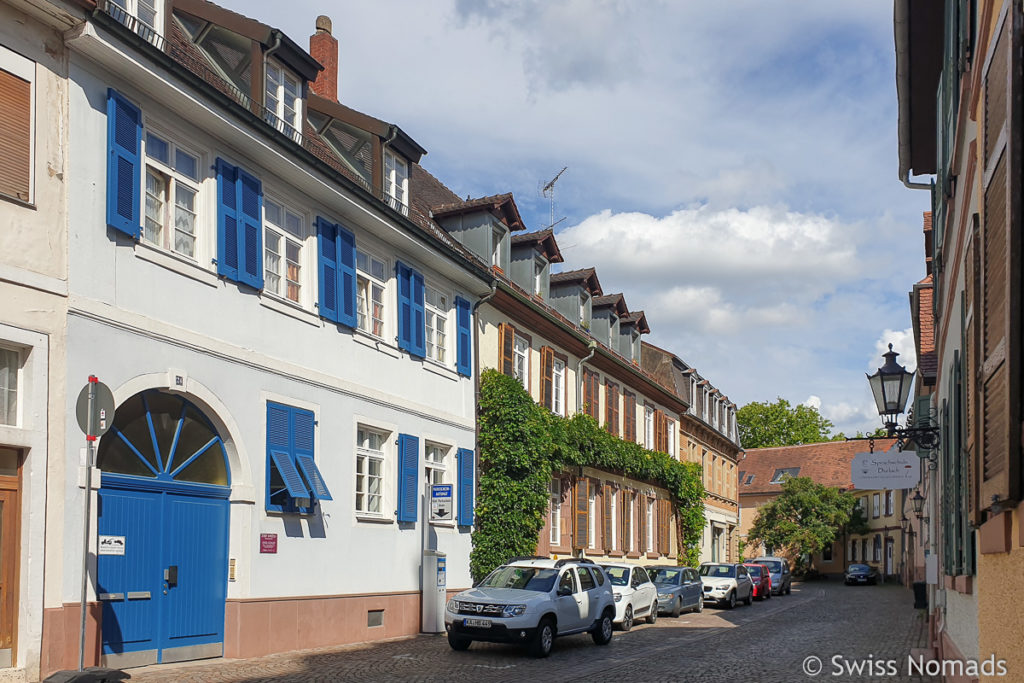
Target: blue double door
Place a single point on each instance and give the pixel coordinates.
(161, 570)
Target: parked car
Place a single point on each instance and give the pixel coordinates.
(782, 580)
(860, 573)
(531, 601)
(679, 588)
(726, 584)
(635, 595)
(761, 578)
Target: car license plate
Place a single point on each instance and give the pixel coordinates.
(477, 623)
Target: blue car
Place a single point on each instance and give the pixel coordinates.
(860, 573)
(679, 589)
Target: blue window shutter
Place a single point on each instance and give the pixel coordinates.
(404, 275)
(292, 479)
(419, 320)
(464, 337)
(327, 250)
(124, 170)
(466, 483)
(408, 477)
(312, 473)
(303, 425)
(347, 278)
(227, 220)
(250, 230)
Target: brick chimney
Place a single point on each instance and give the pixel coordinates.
(324, 48)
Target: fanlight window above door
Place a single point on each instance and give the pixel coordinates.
(163, 436)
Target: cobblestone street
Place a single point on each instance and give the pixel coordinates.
(767, 642)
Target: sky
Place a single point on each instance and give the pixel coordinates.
(732, 167)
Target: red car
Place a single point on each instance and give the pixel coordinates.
(761, 578)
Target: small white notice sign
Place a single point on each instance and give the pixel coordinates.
(110, 545)
(441, 502)
(893, 469)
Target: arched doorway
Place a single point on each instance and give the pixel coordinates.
(163, 532)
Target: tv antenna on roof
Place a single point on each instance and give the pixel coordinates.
(548, 191)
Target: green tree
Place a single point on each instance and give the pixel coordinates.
(804, 518)
(767, 425)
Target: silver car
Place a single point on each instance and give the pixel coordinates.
(778, 567)
(679, 589)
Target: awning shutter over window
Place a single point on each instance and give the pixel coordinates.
(124, 149)
(312, 474)
(292, 479)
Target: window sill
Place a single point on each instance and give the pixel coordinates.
(615, 553)
(633, 556)
(376, 343)
(290, 309)
(439, 369)
(176, 263)
(445, 525)
(374, 520)
(653, 556)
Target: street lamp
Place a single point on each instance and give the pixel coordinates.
(890, 386)
(918, 503)
(905, 524)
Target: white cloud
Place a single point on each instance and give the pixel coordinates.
(813, 402)
(902, 343)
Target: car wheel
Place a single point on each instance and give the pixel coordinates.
(677, 608)
(750, 598)
(700, 605)
(602, 635)
(543, 639)
(789, 590)
(731, 602)
(768, 594)
(652, 616)
(458, 643)
(627, 618)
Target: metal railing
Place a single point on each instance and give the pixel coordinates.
(133, 23)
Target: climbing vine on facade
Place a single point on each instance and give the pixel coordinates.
(522, 445)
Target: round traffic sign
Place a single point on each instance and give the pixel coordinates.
(102, 409)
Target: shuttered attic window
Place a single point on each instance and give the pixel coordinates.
(16, 74)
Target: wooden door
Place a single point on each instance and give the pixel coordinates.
(8, 568)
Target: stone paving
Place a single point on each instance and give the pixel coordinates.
(765, 643)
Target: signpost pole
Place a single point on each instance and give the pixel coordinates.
(90, 439)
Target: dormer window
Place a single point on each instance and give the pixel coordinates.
(584, 318)
(396, 182)
(283, 100)
(497, 235)
(538, 275)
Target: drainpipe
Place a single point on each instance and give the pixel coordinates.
(915, 186)
(579, 378)
(266, 56)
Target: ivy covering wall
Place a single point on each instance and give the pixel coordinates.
(522, 444)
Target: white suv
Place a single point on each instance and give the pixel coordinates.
(726, 583)
(530, 601)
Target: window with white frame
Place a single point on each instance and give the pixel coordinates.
(521, 361)
(650, 525)
(877, 555)
(371, 279)
(584, 318)
(693, 396)
(558, 386)
(670, 430)
(172, 195)
(538, 275)
(283, 100)
(437, 324)
(555, 517)
(370, 470)
(875, 511)
(396, 182)
(144, 11)
(497, 235)
(648, 427)
(627, 539)
(592, 518)
(284, 236)
(436, 458)
(889, 503)
(10, 367)
(704, 405)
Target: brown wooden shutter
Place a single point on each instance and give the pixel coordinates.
(611, 407)
(629, 421)
(999, 303)
(624, 519)
(606, 499)
(15, 136)
(659, 432)
(582, 516)
(506, 345)
(547, 368)
(642, 514)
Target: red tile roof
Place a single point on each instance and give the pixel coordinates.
(826, 463)
(499, 203)
(638, 317)
(545, 239)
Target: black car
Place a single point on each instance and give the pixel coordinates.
(861, 573)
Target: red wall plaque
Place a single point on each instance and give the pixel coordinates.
(268, 543)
